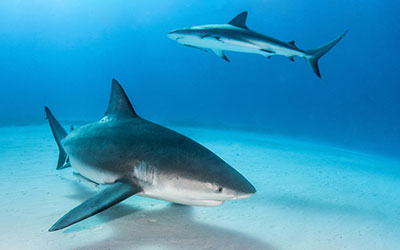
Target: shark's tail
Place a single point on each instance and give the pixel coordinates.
(59, 133)
(313, 55)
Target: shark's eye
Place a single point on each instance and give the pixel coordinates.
(220, 189)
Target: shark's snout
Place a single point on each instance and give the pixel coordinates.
(172, 31)
(179, 34)
(239, 188)
(247, 190)
(173, 34)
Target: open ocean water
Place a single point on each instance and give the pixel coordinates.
(323, 154)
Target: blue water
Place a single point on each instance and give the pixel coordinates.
(64, 54)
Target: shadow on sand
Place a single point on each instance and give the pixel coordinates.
(172, 227)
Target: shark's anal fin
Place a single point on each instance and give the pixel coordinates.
(240, 20)
(221, 54)
(191, 46)
(291, 58)
(86, 181)
(112, 194)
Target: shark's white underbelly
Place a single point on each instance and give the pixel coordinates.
(256, 47)
(177, 197)
(230, 45)
(152, 186)
(92, 173)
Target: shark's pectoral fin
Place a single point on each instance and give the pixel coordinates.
(218, 38)
(108, 197)
(191, 46)
(221, 54)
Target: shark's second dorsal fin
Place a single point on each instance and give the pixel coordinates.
(239, 20)
(119, 104)
(292, 43)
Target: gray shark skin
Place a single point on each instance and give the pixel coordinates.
(236, 36)
(127, 155)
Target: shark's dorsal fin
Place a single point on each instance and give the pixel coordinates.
(239, 20)
(119, 104)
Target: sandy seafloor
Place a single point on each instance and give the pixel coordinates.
(309, 196)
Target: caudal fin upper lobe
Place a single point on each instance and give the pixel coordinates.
(313, 55)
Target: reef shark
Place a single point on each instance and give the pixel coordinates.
(127, 155)
(236, 36)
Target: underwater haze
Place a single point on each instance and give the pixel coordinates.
(64, 54)
(323, 154)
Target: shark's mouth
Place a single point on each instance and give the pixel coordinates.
(204, 203)
(243, 196)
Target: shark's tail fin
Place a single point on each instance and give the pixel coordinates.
(59, 133)
(313, 55)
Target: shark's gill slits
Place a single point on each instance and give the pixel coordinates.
(144, 172)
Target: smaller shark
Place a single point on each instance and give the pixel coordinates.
(236, 36)
(126, 155)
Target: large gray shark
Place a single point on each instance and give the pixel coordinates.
(236, 36)
(127, 155)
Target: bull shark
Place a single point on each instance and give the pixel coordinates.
(236, 36)
(125, 155)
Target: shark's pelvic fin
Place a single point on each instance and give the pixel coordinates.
(240, 20)
(291, 58)
(59, 133)
(221, 54)
(119, 105)
(108, 197)
(313, 55)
